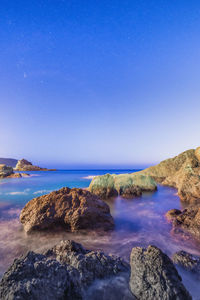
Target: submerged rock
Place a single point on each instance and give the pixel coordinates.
(187, 261)
(153, 276)
(25, 165)
(181, 172)
(63, 272)
(5, 171)
(126, 185)
(75, 209)
(187, 220)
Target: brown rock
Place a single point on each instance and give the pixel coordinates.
(172, 214)
(181, 172)
(188, 220)
(75, 209)
(25, 165)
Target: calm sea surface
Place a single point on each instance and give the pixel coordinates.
(138, 222)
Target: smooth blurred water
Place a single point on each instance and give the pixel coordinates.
(138, 222)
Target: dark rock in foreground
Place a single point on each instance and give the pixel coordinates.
(187, 261)
(74, 209)
(154, 277)
(63, 272)
(187, 220)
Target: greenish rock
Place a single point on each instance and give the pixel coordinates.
(126, 185)
(5, 171)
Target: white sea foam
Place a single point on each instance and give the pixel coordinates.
(25, 192)
(90, 176)
(42, 192)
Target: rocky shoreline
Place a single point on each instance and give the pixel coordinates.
(69, 271)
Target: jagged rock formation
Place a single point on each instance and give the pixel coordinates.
(181, 172)
(126, 185)
(25, 165)
(5, 171)
(74, 209)
(187, 220)
(63, 272)
(187, 261)
(154, 277)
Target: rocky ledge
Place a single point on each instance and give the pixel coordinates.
(25, 165)
(69, 271)
(187, 220)
(181, 172)
(74, 209)
(188, 261)
(125, 185)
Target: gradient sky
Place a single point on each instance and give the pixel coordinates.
(99, 83)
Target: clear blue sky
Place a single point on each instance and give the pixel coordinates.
(107, 83)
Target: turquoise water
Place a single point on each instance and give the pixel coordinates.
(138, 222)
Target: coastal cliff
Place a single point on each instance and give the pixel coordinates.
(25, 165)
(181, 172)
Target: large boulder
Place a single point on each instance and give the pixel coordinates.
(5, 171)
(63, 272)
(154, 277)
(181, 172)
(75, 209)
(35, 276)
(187, 220)
(125, 185)
(188, 261)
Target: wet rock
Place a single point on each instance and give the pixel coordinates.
(187, 261)
(74, 209)
(25, 165)
(125, 185)
(153, 276)
(181, 172)
(90, 264)
(172, 214)
(5, 171)
(188, 220)
(34, 276)
(63, 272)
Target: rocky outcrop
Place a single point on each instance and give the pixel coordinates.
(153, 276)
(74, 209)
(125, 185)
(172, 214)
(187, 220)
(188, 261)
(5, 171)
(25, 165)
(63, 272)
(181, 172)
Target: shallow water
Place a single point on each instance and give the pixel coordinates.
(138, 222)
